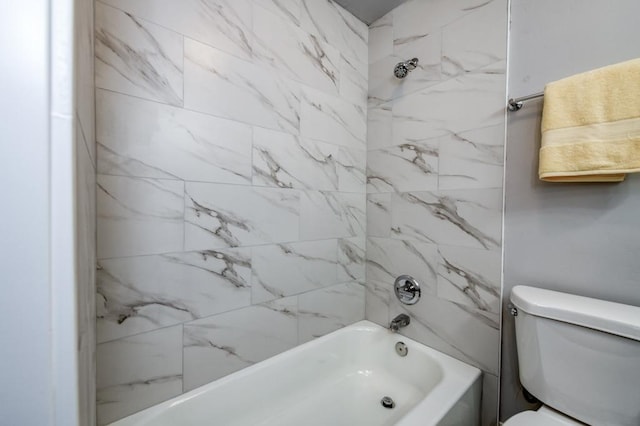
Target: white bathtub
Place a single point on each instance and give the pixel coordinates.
(336, 380)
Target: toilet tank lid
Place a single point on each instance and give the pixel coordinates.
(615, 318)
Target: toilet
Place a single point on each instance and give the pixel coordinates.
(579, 356)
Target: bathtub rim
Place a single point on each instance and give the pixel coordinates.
(458, 378)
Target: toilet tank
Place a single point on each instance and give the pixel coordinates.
(579, 355)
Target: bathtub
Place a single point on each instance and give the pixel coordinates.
(336, 380)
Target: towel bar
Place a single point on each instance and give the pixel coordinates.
(517, 103)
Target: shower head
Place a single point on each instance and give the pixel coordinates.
(402, 68)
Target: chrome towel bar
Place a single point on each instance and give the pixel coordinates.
(517, 103)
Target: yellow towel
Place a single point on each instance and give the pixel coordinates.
(591, 126)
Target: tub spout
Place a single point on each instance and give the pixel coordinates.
(398, 322)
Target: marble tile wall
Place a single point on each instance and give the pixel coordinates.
(434, 176)
(85, 172)
(231, 187)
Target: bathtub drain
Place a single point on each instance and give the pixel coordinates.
(387, 402)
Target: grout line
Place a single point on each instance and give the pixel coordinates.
(238, 122)
(236, 309)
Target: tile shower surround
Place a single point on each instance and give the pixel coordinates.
(223, 162)
(231, 188)
(434, 176)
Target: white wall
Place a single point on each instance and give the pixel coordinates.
(580, 239)
(39, 371)
(25, 371)
(43, 381)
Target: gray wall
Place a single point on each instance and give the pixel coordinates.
(581, 239)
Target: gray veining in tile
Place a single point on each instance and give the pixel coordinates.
(137, 57)
(137, 372)
(223, 85)
(406, 167)
(475, 40)
(472, 159)
(286, 161)
(379, 215)
(222, 344)
(330, 119)
(225, 24)
(351, 259)
(470, 277)
(139, 216)
(230, 216)
(332, 215)
(309, 265)
(295, 53)
(168, 142)
(387, 259)
(326, 310)
(330, 22)
(138, 294)
(467, 218)
(468, 335)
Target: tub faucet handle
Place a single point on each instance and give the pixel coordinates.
(398, 322)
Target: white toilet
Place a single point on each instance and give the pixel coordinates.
(579, 356)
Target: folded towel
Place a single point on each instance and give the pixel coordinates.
(591, 126)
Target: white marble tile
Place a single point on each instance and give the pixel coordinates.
(406, 167)
(387, 259)
(331, 215)
(287, 161)
(143, 293)
(377, 302)
(330, 22)
(379, 215)
(418, 16)
(136, 57)
(466, 218)
(139, 216)
(475, 40)
(287, 269)
(228, 87)
(472, 101)
(354, 81)
(148, 139)
(456, 330)
(490, 397)
(85, 279)
(379, 124)
(351, 259)
(137, 372)
(219, 216)
(220, 345)
(381, 38)
(470, 277)
(286, 9)
(225, 24)
(295, 53)
(472, 159)
(85, 74)
(326, 310)
(330, 119)
(384, 85)
(351, 168)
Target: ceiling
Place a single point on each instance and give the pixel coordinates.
(369, 10)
